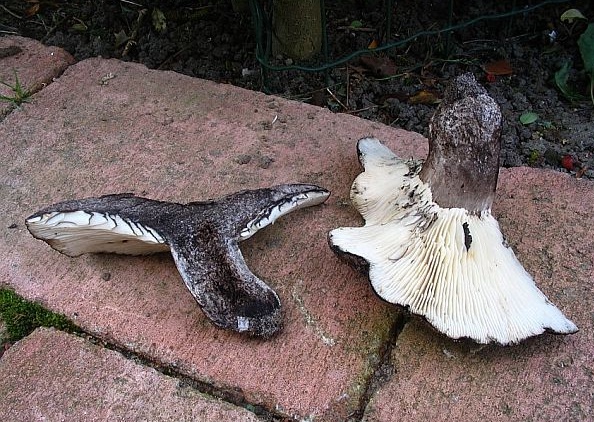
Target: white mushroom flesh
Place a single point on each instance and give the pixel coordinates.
(450, 266)
(77, 232)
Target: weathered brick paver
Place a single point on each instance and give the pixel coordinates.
(549, 221)
(106, 126)
(171, 137)
(54, 376)
(34, 64)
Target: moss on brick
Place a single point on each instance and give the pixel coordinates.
(21, 317)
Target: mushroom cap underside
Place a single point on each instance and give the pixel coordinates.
(459, 274)
(74, 233)
(451, 266)
(127, 224)
(292, 200)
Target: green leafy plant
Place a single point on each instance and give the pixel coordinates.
(571, 15)
(528, 117)
(586, 46)
(561, 79)
(21, 317)
(20, 94)
(534, 158)
(159, 20)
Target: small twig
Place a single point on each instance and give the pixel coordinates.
(174, 55)
(348, 84)
(131, 2)
(51, 30)
(398, 75)
(10, 12)
(362, 109)
(336, 98)
(480, 41)
(307, 95)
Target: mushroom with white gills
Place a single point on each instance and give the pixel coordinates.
(430, 241)
(203, 238)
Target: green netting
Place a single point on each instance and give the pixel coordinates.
(263, 29)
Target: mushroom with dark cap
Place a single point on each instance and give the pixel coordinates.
(203, 238)
(430, 242)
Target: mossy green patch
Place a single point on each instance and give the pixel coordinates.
(533, 158)
(21, 317)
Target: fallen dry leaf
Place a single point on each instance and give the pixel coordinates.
(498, 68)
(424, 97)
(32, 10)
(379, 66)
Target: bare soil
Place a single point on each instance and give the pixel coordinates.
(514, 57)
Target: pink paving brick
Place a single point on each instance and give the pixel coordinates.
(171, 137)
(35, 65)
(54, 376)
(106, 126)
(549, 221)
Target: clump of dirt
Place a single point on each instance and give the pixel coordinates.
(515, 58)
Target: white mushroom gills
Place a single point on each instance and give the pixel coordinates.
(77, 232)
(449, 265)
(270, 215)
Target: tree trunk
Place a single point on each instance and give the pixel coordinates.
(241, 6)
(297, 28)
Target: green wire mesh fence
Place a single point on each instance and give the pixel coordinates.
(262, 21)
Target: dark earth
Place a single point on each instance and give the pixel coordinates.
(515, 57)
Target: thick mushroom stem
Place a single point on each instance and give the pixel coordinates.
(464, 143)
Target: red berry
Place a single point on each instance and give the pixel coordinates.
(567, 162)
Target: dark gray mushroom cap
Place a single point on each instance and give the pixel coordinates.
(203, 238)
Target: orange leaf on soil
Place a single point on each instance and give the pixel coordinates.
(424, 97)
(31, 11)
(379, 66)
(498, 68)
